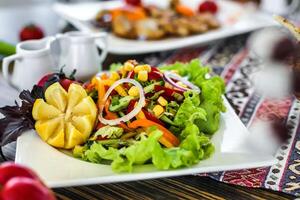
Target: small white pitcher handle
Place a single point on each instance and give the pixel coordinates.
(102, 44)
(5, 66)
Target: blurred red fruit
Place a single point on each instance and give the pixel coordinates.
(31, 32)
(21, 188)
(208, 6)
(9, 170)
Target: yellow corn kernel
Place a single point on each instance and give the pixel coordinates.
(94, 80)
(123, 71)
(140, 115)
(128, 66)
(121, 91)
(158, 110)
(181, 84)
(162, 101)
(133, 91)
(139, 68)
(143, 75)
(108, 82)
(114, 76)
(168, 85)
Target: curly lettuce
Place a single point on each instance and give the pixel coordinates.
(212, 89)
(194, 147)
(189, 110)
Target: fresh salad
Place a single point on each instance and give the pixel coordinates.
(132, 115)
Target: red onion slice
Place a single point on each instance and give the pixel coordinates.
(140, 104)
(168, 76)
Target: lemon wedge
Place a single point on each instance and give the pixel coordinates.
(65, 119)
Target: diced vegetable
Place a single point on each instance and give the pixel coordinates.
(128, 66)
(131, 105)
(133, 91)
(141, 115)
(114, 76)
(162, 101)
(119, 104)
(151, 87)
(158, 110)
(101, 91)
(152, 117)
(139, 68)
(121, 91)
(155, 75)
(111, 115)
(143, 76)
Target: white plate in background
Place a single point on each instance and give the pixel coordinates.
(235, 19)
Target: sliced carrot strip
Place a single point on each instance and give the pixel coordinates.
(168, 139)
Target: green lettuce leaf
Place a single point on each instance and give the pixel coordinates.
(194, 147)
(211, 99)
(108, 132)
(189, 110)
(119, 104)
(115, 67)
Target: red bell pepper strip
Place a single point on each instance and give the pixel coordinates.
(155, 75)
(114, 92)
(152, 117)
(100, 137)
(168, 91)
(131, 106)
(131, 74)
(155, 69)
(99, 125)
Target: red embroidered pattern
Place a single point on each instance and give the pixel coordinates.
(247, 177)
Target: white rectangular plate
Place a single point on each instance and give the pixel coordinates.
(235, 19)
(60, 170)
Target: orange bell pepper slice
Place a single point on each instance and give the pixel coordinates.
(184, 10)
(101, 92)
(168, 139)
(132, 13)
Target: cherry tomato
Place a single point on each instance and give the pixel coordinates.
(31, 32)
(134, 2)
(65, 83)
(208, 6)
